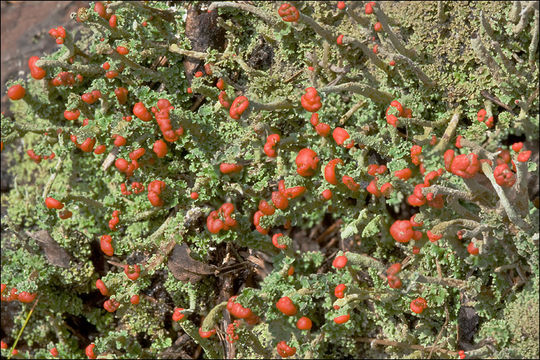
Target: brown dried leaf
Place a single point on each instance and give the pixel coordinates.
(185, 268)
(55, 254)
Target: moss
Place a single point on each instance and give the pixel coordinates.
(523, 317)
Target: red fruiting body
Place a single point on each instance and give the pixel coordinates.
(314, 120)
(306, 162)
(286, 306)
(65, 214)
(294, 192)
(340, 135)
(339, 290)
(89, 351)
(418, 305)
(223, 100)
(121, 94)
(394, 282)
(517, 146)
(311, 101)
(394, 269)
(111, 305)
(276, 243)
(135, 299)
(239, 105)
(473, 250)
(72, 115)
(404, 174)
(524, 156)
(230, 168)
(341, 5)
(122, 50)
(342, 319)
(350, 183)
(375, 48)
(504, 176)
(106, 246)
(199, 74)
(480, 116)
(26, 297)
(36, 72)
(323, 129)
(52, 203)
(177, 314)
(132, 273)
(288, 13)
(101, 10)
(266, 208)
(140, 111)
(464, 165)
(154, 190)
(377, 27)
(285, 350)
(237, 310)
(330, 171)
(113, 21)
(372, 188)
(340, 262)
(271, 142)
(279, 200)
(326, 194)
(220, 84)
(160, 148)
(194, 195)
(111, 74)
(402, 231)
(100, 149)
(16, 92)
(304, 323)
(208, 69)
(54, 352)
(206, 334)
(414, 223)
(369, 7)
(100, 285)
(340, 40)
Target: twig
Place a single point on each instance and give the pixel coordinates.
(532, 5)
(514, 12)
(271, 20)
(442, 328)
(52, 178)
(351, 111)
(405, 345)
(449, 132)
(362, 89)
(440, 189)
(496, 100)
(319, 29)
(533, 47)
(23, 327)
(86, 200)
(398, 45)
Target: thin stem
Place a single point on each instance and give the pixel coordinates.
(439, 189)
(351, 111)
(532, 5)
(319, 29)
(22, 329)
(514, 12)
(405, 345)
(533, 47)
(362, 89)
(396, 42)
(421, 75)
(269, 19)
(449, 132)
(52, 178)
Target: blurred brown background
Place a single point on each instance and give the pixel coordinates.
(25, 27)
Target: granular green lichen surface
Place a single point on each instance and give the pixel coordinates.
(275, 180)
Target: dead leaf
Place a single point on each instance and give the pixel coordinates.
(55, 254)
(185, 268)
